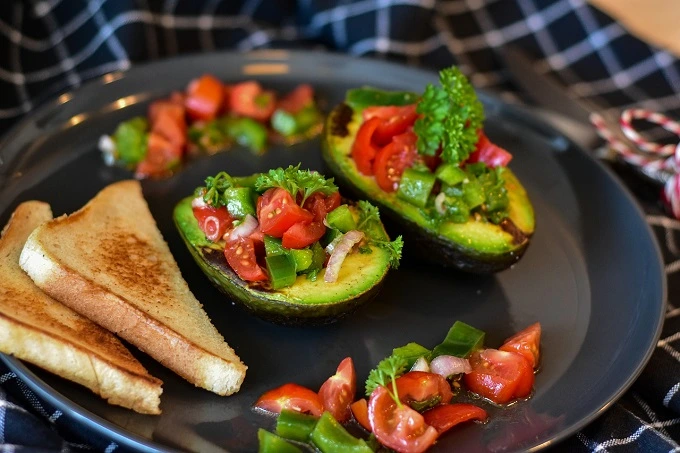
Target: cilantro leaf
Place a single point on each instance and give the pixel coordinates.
(367, 214)
(369, 223)
(385, 374)
(296, 181)
(451, 116)
(394, 247)
(214, 189)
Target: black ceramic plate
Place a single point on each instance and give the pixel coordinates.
(592, 275)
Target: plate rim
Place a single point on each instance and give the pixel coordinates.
(135, 441)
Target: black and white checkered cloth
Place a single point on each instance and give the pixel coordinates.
(48, 46)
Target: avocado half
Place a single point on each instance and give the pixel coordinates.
(475, 246)
(306, 302)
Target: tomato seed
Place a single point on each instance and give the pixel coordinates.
(239, 250)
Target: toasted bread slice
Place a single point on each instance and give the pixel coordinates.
(109, 262)
(38, 329)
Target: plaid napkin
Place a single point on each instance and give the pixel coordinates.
(48, 46)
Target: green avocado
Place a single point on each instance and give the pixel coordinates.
(474, 246)
(306, 301)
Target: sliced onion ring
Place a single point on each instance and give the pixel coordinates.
(421, 365)
(245, 229)
(212, 224)
(448, 365)
(340, 251)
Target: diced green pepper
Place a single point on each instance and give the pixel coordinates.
(302, 258)
(246, 181)
(239, 201)
(473, 194)
(461, 341)
(281, 270)
(271, 443)
(360, 98)
(131, 140)
(289, 124)
(457, 210)
(295, 425)
(272, 246)
(247, 132)
(330, 235)
(411, 352)
(342, 219)
(330, 437)
(450, 174)
(415, 187)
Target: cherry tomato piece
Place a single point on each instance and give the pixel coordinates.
(302, 234)
(446, 416)
(240, 255)
(205, 96)
(214, 222)
(296, 100)
(161, 157)
(293, 397)
(499, 376)
(360, 412)
(338, 391)
(398, 427)
(249, 99)
(393, 159)
(395, 121)
(489, 153)
(527, 343)
(421, 386)
(170, 126)
(320, 204)
(280, 212)
(363, 149)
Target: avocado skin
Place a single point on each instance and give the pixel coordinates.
(419, 241)
(256, 301)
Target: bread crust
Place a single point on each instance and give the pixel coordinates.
(38, 329)
(143, 298)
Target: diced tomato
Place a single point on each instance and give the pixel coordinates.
(292, 397)
(171, 108)
(423, 387)
(338, 391)
(296, 100)
(302, 234)
(398, 427)
(320, 204)
(363, 149)
(446, 416)
(360, 412)
(527, 343)
(170, 126)
(240, 255)
(205, 96)
(280, 213)
(214, 222)
(161, 157)
(395, 120)
(177, 97)
(249, 99)
(499, 376)
(489, 153)
(393, 159)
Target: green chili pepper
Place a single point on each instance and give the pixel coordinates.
(360, 98)
(330, 437)
(271, 443)
(461, 341)
(295, 425)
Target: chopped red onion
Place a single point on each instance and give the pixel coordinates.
(198, 202)
(339, 253)
(245, 229)
(448, 365)
(439, 203)
(421, 365)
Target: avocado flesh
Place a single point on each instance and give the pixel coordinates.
(473, 246)
(305, 302)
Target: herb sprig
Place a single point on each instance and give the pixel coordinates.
(215, 187)
(296, 181)
(451, 116)
(369, 223)
(386, 373)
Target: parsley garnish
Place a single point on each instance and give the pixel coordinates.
(215, 187)
(296, 181)
(388, 370)
(369, 223)
(451, 116)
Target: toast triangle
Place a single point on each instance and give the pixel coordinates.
(38, 329)
(109, 262)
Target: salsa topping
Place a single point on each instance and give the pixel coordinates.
(406, 409)
(431, 150)
(277, 225)
(208, 117)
